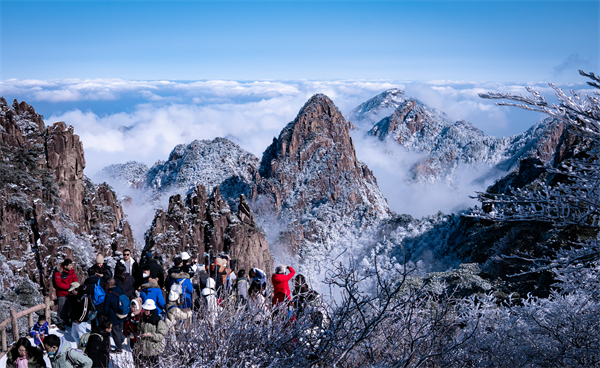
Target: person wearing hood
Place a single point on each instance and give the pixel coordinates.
(23, 354)
(156, 270)
(61, 354)
(125, 281)
(101, 269)
(111, 310)
(281, 287)
(187, 288)
(210, 295)
(177, 263)
(153, 331)
(64, 276)
(151, 290)
(174, 313)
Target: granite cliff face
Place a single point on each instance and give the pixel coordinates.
(312, 182)
(200, 225)
(48, 209)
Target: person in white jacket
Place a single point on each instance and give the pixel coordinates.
(210, 294)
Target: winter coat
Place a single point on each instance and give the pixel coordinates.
(170, 272)
(77, 307)
(175, 314)
(105, 270)
(128, 286)
(133, 268)
(210, 295)
(202, 277)
(60, 360)
(153, 291)
(154, 345)
(42, 330)
(260, 276)
(156, 271)
(63, 280)
(98, 349)
(186, 287)
(90, 284)
(241, 288)
(111, 305)
(281, 287)
(32, 362)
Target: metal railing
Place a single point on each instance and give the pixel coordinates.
(14, 317)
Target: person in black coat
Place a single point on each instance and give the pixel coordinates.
(156, 270)
(111, 309)
(101, 269)
(90, 284)
(124, 281)
(98, 345)
(178, 262)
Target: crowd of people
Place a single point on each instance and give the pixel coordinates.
(143, 302)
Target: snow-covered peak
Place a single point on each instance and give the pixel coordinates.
(365, 115)
(209, 163)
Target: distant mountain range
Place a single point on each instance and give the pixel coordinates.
(312, 196)
(416, 127)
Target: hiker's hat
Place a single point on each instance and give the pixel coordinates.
(149, 305)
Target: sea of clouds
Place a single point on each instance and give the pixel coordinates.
(120, 121)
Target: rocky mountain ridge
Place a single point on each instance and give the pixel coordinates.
(447, 145)
(48, 209)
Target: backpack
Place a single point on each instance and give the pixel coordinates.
(70, 359)
(83, 340)
(124, 306)
(177, 288)
(99, 294)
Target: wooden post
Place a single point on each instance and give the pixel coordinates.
(3, 337)
(15, 324)
(48, 315)
(30, 315)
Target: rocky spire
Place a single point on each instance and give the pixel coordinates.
(312, 167)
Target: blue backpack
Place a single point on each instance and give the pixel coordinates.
(124, 306)
(99, 294)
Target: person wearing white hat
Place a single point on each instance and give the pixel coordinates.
(152, 334)
(174, 313)
(189, 264)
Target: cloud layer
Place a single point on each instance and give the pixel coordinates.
(120, 121)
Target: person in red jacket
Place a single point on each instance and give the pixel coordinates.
(281, 287)
(64, 276)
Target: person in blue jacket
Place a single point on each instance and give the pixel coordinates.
(151, 290)
(111, 309)
(40, 330)
(186, 287)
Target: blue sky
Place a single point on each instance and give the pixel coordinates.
(500, 41)
(136, 78)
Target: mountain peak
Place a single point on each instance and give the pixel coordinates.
(319, 123)
(370, 112)
(311, 173)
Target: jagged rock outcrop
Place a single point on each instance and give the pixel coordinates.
(200, 225)
(312, 181)
(48, 209)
